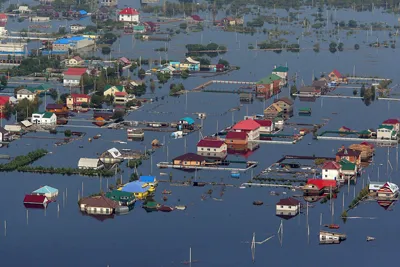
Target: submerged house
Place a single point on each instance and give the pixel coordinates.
(35, 200)
(285, 103)
(236, 140)
(388, 191)
(348, 154)
(319, 186)
(250, 127)
(97, 205)
(88, 163)
(47, 191)
(273, 111)
(212, 147)
(151, 180)
(331, 170)
(112, 156)
(139, 189)
(121, 197)
(190, 160)
(288, 206)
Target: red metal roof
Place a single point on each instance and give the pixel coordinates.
(236, 135)
(75, 71)
(190, 157)
(196, 18)
(74, 96)
(331, 165)
(4, 100)
(322, 183)
(3, 16)
(265, 123)
(246, 125)
(35, 199)
(120, 94)
(129, 11)
(346, 128)
(337, 73)
(288, 202)
(391, 121)
(208, 142)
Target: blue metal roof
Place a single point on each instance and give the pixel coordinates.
(70, 40)
(45, 190)
(82, 12)
(188, 120)
(135, 187)
(147, 179)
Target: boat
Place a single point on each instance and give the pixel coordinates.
(135, 133)
(163, 174)
(305, 111)
(273, 193)
(217, 199)
(326, 237)
(97, 136)
(150, 206)
(242, 187)
(166, 192)
(200, 184)
(257, 203)
(235, 174)
(332, 226)
(165, 198)
(370, 238)
(80, 146)
(180, 207)
(165, 208)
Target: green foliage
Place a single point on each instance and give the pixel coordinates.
(3, 81)
(108, 38)
(256, 22)
(355, 92)
(223, 62)
(106, 50)
(319, 161)
(174, 89)
(183, 26)
(197, 49)
(356, 46)
(23, 109)
(185, 74)
(293, 89)
(163, 77)
(67, 133)
(141, 73)
(23, 160)
(340, 47)
(134, 163)
(352, 24)
(97, 100)
(31, 65)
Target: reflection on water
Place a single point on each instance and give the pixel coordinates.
(387, 204)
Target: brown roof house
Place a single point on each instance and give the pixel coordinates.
(273, 111)
(285, 103)
(320, 86)
(97, 205)
(308, 91)
(189, 160)
(351, 155)
(287, 208)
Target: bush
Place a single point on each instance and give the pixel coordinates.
(67, 133)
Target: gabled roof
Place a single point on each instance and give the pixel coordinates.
(236, 135)
(191, 60)
(288, 202)
(337, 73)
(45, 114)
(274, 106)
(391, 186)
(135, 187)
(147, 179)
(118, 87)
(389, 127)
(4, 100)
(35, 199)
(3, 16)
(24, 91)
(347, 165)
(80, 96)
(3, 131)
(88, 163)
(367, 144)
(347, 152)
(196, 18)
(45, 190)
(188, 120)
(264, 123)
(322, 183)
(210, 142)
(129, 11)
(281, 69)
(125, 60)
(117, 195)
(285, 99)
(99, 202)
(331, 165)
(246, 125)
(307, 89)
(55, 106)
(391, 121)
(345, 128)
(269, 79)
(120, 94)
(190, 157)
(114, 152)
(77, 58)
(75, 71)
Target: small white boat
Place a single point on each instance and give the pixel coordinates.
(370, 238)
(284, 193)
(242, 187)
(180, 207)
(163, 173)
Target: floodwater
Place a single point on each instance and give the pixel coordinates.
(217, 231)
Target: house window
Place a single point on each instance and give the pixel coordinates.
(289, 207)
(326, 176)
(208, 149)
(215, 149)
(108, 210)
(202, 148)
(281, 207)
(326, 170)
(95, 209)
(208, 154)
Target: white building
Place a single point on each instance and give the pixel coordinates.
(76, 28)
(386, 132)
(212, 147)
(266, 126)
(375, 186)
(25, 93)
(281, 71)
(331, 170)
(120, 98)
(129, 15)
(87, 163)
(250, 127)
(72, 77)
(288, 206)
(388, 190)
(4, 135)
(44, 118)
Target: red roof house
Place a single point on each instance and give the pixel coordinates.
(196, 18)
(129, 15)
(317, 186)
(236, 136)
(251, 127)
(336, 76)
(288, 202)
(210, 142)
(3, 101)
(120, 94)
(331, 165)
(212, 147)
(125, 61)
(35, 199)
(354, 156)
(371, 146)
(75, 71)
(392, 122)
(129, 11)
(3, 17)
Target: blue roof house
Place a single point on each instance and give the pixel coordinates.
(151, 180)
(139, 189)
(185, 123)
(82, 12)
(187, 120)
(47, 191)
(175, 64)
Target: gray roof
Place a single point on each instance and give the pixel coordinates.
(88, 163)
(24, 92)
(307, 89)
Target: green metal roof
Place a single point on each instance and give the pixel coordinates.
(138, 28)
(44, 87)
(347, 165)
(118, 87)
(366, 132)
(269, 79)
(33, 90)
(304, 109)
(120, 195)
(389, 127)
(281, 69)
(46, 114)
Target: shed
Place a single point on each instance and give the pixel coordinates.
(26, 123)
(47, 191)
(88, 163)
(13, 128)
(187, 120)
(35, 199)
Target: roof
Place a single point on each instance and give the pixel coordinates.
(77, 58)
(75, 71)
(80, 96)
(345, 128)
(391, 186)
(24, 91)
(70, 40)
(196, 18)
(281, 69)
(264, 123)
(118, 87)
(135, 187)
(114, 152)
(117, 194)
(269, 79)
(288, 202)
(88, 163)
(367, 144)
(188, 120)
(129, 11)
(307, 89)
(47, 115)
(147, 179)
(82, 12)
(125, 60)
(44, 86)
(3, 131)
(190, 157)
(322, 183)
(391, 121)
(99, 201)
(331, 165)
(120, 94)
(55, 106)
(389, 127)
(273, 106)
(337, 73)
(4, 100)
(26, 123)
(210, 142)
(375, 185)
(3, 16)
(13, 128)
(285, 99)
(39, 199)
(138, 28)
(246, 125)
(191, 60)
(347, 152)
(45, 190)
(318, 84)
(236, 135)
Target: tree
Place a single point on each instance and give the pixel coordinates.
(332, 47)
(63, 98)
(355, 92)
(356, 46)
(293, 89)
(67, 133)
(133, 67)
(185, 74)
(96, 100)
(141, 73)
(340, 47)
(3, 81)
(106, 50)
(352, 24)
(362, 90)
(183, 26)
(223, 62)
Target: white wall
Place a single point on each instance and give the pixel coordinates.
(129, 18)
(293, 209)
(330, 174)
(383, 133)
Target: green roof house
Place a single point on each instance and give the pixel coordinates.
(139, 28)
(123, 198)
(386, 132)
(112, 89)
(348, 169)
(44, 118)
(281, 72)
(269, 79)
